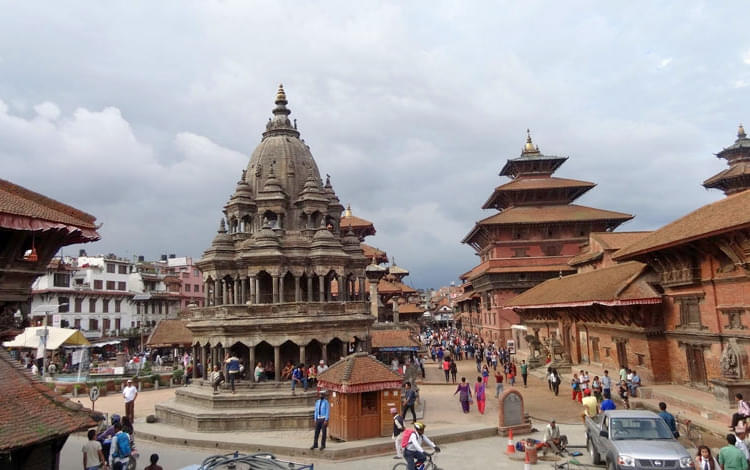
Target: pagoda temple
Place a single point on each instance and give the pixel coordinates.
(283, 280)
(536, 231)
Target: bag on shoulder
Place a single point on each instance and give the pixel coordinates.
(122, 447)
(405, 438)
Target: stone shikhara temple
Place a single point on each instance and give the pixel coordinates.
(283, 281)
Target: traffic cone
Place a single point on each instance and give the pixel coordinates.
(510, 450)
(526, 462)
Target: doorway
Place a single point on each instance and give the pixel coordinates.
(696, 365)
(622, 354)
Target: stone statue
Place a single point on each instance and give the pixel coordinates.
(555, 349)
(730, 360)
(535, 346)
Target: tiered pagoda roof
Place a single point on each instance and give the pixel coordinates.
(736, 178)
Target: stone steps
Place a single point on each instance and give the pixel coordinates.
(234, 419)
(203, 397)
(696, 403)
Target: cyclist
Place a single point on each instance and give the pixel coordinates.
(414, 450)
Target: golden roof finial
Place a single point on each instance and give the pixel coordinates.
(280, 95)
(348, 211)
(741, 132)
(529, 147)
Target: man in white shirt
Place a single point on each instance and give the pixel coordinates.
(606, 385)
(414, 451)
(129, 393)
(322, 366)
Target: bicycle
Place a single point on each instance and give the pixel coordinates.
(429, 463)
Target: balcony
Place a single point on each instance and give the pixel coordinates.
(283, 310)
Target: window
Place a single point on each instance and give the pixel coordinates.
(690, 312)
(105, 324)
(98, 284)
(110, 268)
(552, 250)
(117, 324)
(117, 306)
(520, 252)
(110, 285)
(64, 304)
(93, 324)
(370, 403)
(121, 285)
(187, 287)
(79, 305)
(92, 305)
(61, 280)
(122, 269)
(105, 305)
(77, 323)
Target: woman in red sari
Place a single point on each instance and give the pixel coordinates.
(479, 389)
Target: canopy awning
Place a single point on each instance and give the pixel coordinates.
(56, 338)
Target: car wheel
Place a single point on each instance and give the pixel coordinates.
(595, 459)
(399, 466)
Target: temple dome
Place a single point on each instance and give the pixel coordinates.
(281, 149)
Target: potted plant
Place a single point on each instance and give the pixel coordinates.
(177, 375)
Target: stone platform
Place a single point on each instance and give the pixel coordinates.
(254, 407)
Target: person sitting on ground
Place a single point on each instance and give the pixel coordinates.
(743, 411)
(413, 450)
(154, 459)
(553, 439)
(635, 382)
(216, 378)
(286, 372)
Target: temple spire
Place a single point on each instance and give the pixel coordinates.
(280, 123)
(529, 147)
(348, 212)
(741, 132)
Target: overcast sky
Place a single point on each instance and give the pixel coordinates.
(145, 113)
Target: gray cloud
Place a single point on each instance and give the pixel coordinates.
(145, 114)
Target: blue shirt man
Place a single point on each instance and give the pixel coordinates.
(668, 418)
(321, 416)
(607, 404)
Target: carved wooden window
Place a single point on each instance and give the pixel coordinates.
(520, 252)
(552, 250)
(61, 280)
(690, 312)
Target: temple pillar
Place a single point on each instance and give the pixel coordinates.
(324, 351)
(277, 363)
(322, 288)
(251, 363)
(204, 362)
(256, 289)
(281, 290)
(362, 289)
(195, 361)
(224, 292)
(302, 354)
(275, 289)
(297, 291)
(243, 290)
(344, 349)
(395, 310)
(310, 289)
(374, 299)
(217, 292)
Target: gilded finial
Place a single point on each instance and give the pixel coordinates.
(280, 95)
(741, 132)
(348, 211)
(529, 147)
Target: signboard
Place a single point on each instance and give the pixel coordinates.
(93, 395)
(511, 345)
(56, 320)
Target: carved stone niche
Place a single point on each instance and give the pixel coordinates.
(734, 368)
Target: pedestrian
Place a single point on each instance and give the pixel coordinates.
(454, 371)
(606, 385)
(596, 388)
(410, 398)
(512, 372)
(130, 393)
(465, 394)
(524, 372)
(575, 385)
(154, 466)
(479, 393)
(93, 458)
(485, 374)
(635, 382)
(216, 378)
(479, 362)
(498, 383)
(669, 419)
(398, 428)
(554, 380)
(607, 404)
(259, 372)
(730, 457)
(624, 394)
(623, 373)
(233, 369)
(120, 448)
(549, 378)
(421, 365)
(447, 368)
(704, 460)
(590, 407)
(321, 416)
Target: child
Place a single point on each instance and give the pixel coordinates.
(154, 458)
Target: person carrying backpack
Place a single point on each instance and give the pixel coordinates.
(411, 443)
(398, 428)
(120, 448)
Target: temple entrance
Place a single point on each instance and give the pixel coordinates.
(265, 288)
(566, 341)
(622, 354)
(313, 352)
(289, 352)
(264, 356)
(334, 350)
(583, 346)
(696, 365)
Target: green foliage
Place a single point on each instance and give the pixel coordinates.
(177, 375)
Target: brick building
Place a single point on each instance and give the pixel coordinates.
(681, 314)
(531, 239)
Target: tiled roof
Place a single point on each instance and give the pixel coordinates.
(358, 369)
(553, 213)
(617, 240)
(170, 333)
(730, 213)
(586, 257)
(616, 285)
(393, 287)
(489, 269)
(355, 222)
(30, 412)
(391, 338)
(17, 200)
(410, 308)
(370, 252)
(522, 184)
